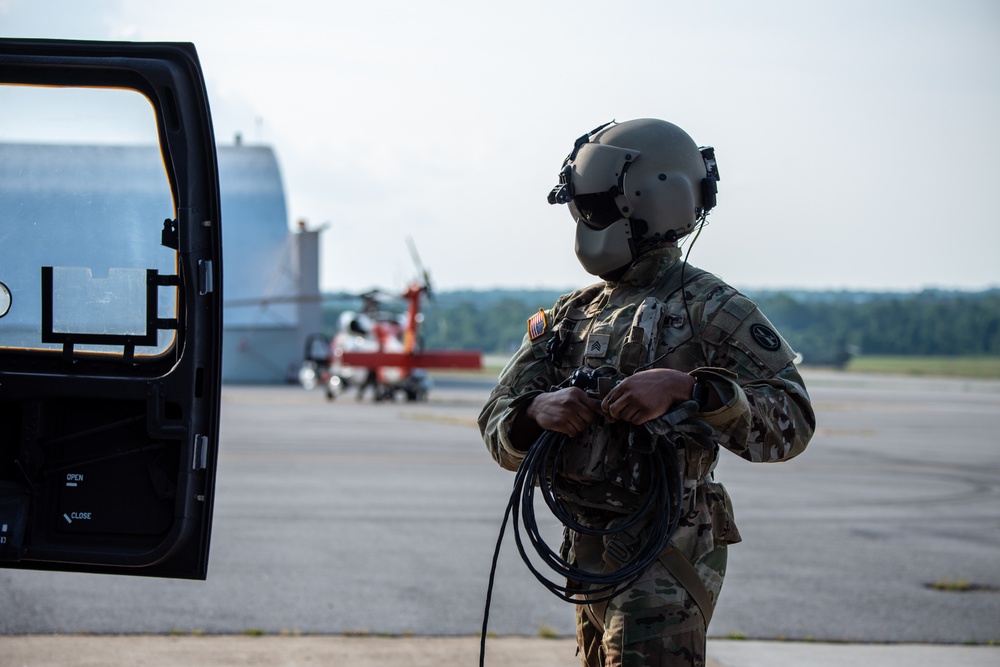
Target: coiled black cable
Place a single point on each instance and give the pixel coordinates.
(659, 510)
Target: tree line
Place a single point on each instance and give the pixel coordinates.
(931, 322)
(823, 326)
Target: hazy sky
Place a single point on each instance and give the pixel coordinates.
(858, 140)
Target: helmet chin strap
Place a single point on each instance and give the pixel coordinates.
(615, 276)
(645, 244)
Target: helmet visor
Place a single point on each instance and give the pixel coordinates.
(597, 210)
(595, 180)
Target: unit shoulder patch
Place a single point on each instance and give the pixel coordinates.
(766, 337)
(762, 343)
(537, 325)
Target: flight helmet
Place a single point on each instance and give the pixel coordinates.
(632, 186)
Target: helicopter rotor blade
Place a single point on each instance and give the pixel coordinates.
(424, 273)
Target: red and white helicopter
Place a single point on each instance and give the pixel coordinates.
(374, 347)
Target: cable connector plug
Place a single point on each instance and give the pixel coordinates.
(679, 426)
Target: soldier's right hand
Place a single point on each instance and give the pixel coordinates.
(569, 410)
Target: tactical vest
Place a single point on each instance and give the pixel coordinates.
(605, 468)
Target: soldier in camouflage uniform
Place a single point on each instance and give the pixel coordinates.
(666, 333)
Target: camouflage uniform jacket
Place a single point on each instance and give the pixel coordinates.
(709, 330)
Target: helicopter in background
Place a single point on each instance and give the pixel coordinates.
(378, 348)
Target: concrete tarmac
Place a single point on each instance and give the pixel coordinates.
(244, 651)
(359, 534)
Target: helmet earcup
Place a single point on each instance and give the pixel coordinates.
(665, 201)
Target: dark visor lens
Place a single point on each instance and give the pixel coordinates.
(598, 209)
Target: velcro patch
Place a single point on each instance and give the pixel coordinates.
(765, 337)
(597, 345)
(757, 337)
(537, 325)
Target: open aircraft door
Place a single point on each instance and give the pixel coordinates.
(110, 308)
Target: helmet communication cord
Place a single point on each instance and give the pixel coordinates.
(687, 311)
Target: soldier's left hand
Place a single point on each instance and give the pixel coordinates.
(647, 395)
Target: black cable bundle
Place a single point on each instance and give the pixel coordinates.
(660, 511)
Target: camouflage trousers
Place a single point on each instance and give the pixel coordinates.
(655, 623)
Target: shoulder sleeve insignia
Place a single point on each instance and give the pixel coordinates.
(765, 337)
(537, 325)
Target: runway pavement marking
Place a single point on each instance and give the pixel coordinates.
(441, 419)
(849, 432)
(249, 457)
(943, 408)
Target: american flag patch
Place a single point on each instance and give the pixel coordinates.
(536, 325)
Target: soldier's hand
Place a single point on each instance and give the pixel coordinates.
(647, 395)
(567, 410)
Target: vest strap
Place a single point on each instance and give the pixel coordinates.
(685, 574)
